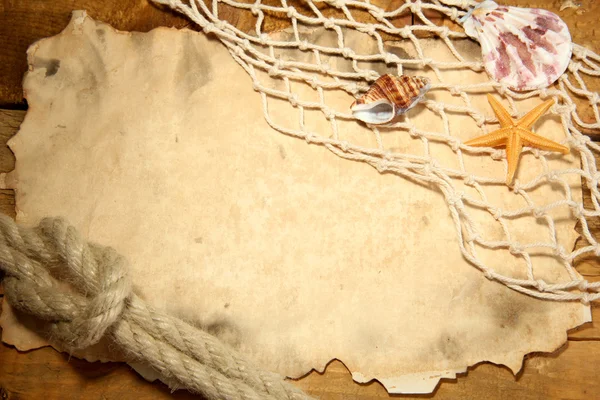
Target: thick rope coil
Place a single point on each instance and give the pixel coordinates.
(40, 261)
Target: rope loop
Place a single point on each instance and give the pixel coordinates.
(99, 283)
(100, 301)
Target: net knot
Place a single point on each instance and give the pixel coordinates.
(564, 108)
(541, 285)
(404, 32)
(239, 51)
(577, 209)
(219, 24)
(412, 131)
(501, 89)
(473, 237)
(597, 250)
(389, 58)
(538, 213)
(488, 274)
(431, 166)
(291, 12)
(348, 52)
(426, 62)
(516, 186)
(470, 180)
(274, 71)
(585, 298)
(515, 249)
(595, 98)
(580, 52)
(455, 145)
(330, 115)
(583, 285)
(377, 14)
(552, 177)
(209, 28)
(574, 66)
(580, 142)
(329, 23)
(496, 213)
(454, 91)
(345, 146)
(443, 31)
(368, 29)
(336, 3)
(310, 138)
(255, 9)
(479, 118)
(350, 88)
(303, 45)
(454, 14)
(436, 107)
(559, 251)
(456, 200)
(313, 82)
(497, 155)
(293, 99)
(382, 166)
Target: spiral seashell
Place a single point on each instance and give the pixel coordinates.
(524, 48)
(388, 97)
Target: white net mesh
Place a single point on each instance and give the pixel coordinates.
(307, 62)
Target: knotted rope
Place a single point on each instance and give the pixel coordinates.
(38, 262)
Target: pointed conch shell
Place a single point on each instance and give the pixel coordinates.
(388, 97)
(524, 48)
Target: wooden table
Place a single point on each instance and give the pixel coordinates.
(570, 372)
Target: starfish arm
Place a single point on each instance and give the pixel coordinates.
(514, 145)
(529, 119)
(535, 140)
(493, 139)
(503, 116)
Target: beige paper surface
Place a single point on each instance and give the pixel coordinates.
(156, 144)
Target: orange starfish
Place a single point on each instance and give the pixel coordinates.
(516, 134)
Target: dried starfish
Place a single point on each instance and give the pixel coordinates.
(516, 134)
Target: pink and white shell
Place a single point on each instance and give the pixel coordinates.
(524, 48)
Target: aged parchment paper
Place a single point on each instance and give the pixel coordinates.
(155, 143)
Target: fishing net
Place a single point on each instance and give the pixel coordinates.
(295, 61)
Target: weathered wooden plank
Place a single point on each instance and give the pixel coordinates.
(10, 120)
(567, 373)
(564, 374)
(48, 374)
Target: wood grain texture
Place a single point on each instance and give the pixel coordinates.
(567, 373)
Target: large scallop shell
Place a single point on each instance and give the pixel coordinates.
(525, 48)
(388, 97)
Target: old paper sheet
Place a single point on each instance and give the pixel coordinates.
(156, 144)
